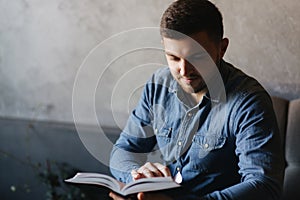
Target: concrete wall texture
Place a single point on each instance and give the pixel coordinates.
(43, 44)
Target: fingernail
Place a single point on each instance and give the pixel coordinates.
(134, 174)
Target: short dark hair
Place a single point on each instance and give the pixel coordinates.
(191, 16)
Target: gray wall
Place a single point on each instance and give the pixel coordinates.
(43, 43)
(265, 42)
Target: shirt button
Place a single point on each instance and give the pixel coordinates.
(206, 146)
(178, 168)
(189, 114)
(179, 143)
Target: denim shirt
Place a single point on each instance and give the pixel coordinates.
(223, 150)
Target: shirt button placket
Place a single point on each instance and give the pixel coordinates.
(179, 143)
(206, 146)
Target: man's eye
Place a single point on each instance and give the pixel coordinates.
(174, 58)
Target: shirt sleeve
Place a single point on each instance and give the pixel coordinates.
(135, 142)
(259, 149)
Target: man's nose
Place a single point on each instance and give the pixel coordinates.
(185, 67)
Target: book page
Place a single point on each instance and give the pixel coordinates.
(97, 179)
(149, 184)
(141, 185)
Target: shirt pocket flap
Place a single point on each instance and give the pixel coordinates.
(209, 142)
(163, 132)
(163, 136)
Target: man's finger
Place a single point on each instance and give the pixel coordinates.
(164, 170)
(152, 196)
(153, 168)
(136, 175)
(141, 196)
(115, 196)
(146, 172)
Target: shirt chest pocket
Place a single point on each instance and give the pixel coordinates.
(203, 149)
(208, 142)
(163, 136)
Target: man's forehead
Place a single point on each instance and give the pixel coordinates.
(182, 47)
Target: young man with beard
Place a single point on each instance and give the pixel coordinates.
(221, 141)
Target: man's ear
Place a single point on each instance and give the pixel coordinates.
(223, 46)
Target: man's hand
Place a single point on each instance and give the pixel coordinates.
(152, 196)
(150, 170)
(146, 171)
(142, 196)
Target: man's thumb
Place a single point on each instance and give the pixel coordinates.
(141, 196)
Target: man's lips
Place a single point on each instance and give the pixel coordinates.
(189, 79)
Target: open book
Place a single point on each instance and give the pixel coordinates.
(141, 185)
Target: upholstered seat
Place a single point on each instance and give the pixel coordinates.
(288, 117)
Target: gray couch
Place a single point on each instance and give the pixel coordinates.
(288, 117)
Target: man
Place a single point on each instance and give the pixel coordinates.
(219, 143)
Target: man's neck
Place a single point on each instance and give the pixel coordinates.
(196, 98)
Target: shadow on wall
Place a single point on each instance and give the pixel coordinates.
(35, 158)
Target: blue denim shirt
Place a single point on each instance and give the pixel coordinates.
(229, 151)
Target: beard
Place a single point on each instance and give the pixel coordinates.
(194, 85)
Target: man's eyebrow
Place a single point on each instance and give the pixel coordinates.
(202, 53)
(170, 53)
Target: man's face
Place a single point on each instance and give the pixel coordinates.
(187, 60)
